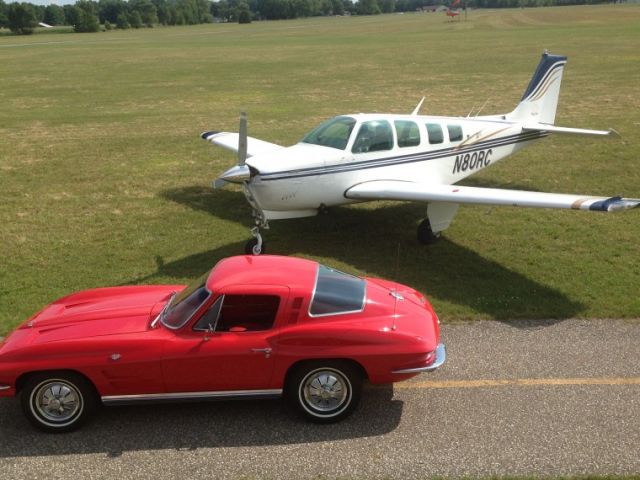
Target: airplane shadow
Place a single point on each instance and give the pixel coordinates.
(189, 426)
(379, 242)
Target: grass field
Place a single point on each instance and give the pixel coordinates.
(104, 180)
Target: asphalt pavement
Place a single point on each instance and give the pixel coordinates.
(514, 398)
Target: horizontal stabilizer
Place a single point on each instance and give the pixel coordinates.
(230, 141)
(404, 190)
(541, 127)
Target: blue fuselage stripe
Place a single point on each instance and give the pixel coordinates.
(400, 160)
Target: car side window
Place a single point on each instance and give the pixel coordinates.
(241, 313)
(373, 136)
(210, 317)
(455, 133)
(408, 133)
(434, 132)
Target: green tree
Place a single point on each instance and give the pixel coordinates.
(387, 6)
(87, 22)
(367, 7)
(134, 19)
(147, 10)
(244, 14)
(71, 14)
(4, 21)
(53, 15)
(122, 21)
(21, 18)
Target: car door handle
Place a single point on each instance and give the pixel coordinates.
(266, 351)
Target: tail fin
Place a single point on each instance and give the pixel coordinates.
(540, 99)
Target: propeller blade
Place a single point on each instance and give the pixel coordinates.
(242, 139)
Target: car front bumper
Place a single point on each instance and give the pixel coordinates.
(441, 356)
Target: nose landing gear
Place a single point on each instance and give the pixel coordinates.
(255, 245)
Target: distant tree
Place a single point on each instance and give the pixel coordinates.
(108, 10)
(107, 25)
(87, 22)
(244, 14)
(4, 21)
(122, 21)
(387, 6)
(147, 10)
(53, 15)
(135, 20)
(367, 7)
(21, 18)
(337, 7)
(71, 14)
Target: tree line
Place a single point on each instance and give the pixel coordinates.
(89, 15)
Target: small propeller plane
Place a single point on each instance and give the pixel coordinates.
(363, 157)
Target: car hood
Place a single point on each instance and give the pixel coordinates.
(98, 312)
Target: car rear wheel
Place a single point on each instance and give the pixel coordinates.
(58, 402)
(325, 392)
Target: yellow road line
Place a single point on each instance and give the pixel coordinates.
(523, 382)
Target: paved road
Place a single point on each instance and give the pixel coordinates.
(519, 399)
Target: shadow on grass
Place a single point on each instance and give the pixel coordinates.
(190, 426)
(381, 242)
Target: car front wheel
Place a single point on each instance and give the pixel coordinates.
(325, 392)
(57, 402)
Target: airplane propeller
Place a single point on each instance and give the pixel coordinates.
(239, 173)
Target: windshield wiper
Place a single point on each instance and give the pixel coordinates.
(163, 312)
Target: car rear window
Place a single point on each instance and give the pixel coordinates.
(336, 293)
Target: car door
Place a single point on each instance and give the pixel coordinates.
(230, 346)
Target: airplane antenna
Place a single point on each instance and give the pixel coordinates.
(471, 111)
(417, 109)
(483, 105)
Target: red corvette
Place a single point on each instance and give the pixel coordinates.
(254, 326)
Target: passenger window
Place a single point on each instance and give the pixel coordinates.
(455, 133)
(408, 133)
(373, 136)
(240, 313)
(434, 131)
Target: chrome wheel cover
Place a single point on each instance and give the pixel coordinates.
(325, 392)
(56, 403)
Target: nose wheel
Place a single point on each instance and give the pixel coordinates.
(255, 246)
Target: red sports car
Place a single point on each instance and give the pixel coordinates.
(253, 326)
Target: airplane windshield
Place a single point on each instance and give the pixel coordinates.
(333, 133)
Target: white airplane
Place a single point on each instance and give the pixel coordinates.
(362, 157)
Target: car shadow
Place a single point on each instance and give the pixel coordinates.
(446, 271)
(189, 426)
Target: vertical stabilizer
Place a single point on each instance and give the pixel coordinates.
(540, 99)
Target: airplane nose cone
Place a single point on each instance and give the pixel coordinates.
(237, 174)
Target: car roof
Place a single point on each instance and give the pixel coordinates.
(263, 270)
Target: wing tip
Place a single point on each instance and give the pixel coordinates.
(614, 204)
(209, 134)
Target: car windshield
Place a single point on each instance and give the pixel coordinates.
(183, 305)
(336, 293)
(333, 133)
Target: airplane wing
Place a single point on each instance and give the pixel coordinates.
(230, 141)
(405, 190)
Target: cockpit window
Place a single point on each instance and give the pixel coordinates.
(333, 133)
(336, 293)
(373, 136)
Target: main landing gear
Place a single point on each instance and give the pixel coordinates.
(426, 236)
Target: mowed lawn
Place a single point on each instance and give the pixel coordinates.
(105, 181)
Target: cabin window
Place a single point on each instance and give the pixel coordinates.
(373, 136)
(455, 133)
(408, 133)
(434, 132)
(240, 313)
(333, 133)
(336, 293)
